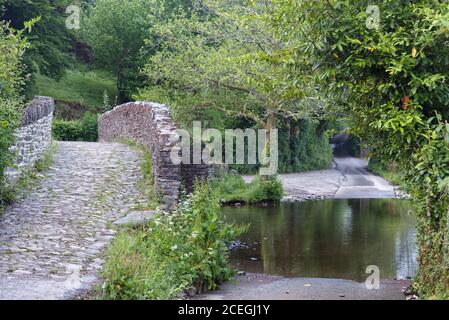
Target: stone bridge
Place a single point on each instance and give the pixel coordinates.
(52, 239)
(151, 124)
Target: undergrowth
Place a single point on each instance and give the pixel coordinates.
(234, 189)
(173, 252)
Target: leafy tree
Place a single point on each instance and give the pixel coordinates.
(223, 55)
(391, 73)
(12, 48)
(226, 56)
(116, 31)
(50, 51)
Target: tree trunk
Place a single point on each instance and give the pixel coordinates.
(122, 95)
(269, 126)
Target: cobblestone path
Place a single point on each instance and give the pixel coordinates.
(52, 241)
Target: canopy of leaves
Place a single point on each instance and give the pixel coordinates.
(50, 51)
(11, 50)
(116, 31)
(392, 79)
(226, 55)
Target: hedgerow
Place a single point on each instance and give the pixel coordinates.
(12, 47)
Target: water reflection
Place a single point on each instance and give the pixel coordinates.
(330, 239)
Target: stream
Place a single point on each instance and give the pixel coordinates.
(327, 239)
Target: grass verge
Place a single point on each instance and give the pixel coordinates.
(388, 172)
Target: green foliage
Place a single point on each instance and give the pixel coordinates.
(393, 81)
(47, 160)
(63, 130)
(146, 185)
(226, 56)
(50, 52)
(11, 48)
(28, 179)
(83, 88)
(233, 189)
(387, 171)
(85, 129)
(303, 148)
(269, 189)
(173, 252)
(303, 145)
(116, 31)
(106, 104)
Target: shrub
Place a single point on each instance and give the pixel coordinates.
(172, 252)
(389, 172)
(66, 130)
(11, 48)
(85, 129)
(262, 189)
(268, 189)
(302, 147)
(89, 127)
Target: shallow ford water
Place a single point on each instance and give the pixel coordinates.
(327, 239)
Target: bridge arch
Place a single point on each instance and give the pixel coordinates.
(151, 124)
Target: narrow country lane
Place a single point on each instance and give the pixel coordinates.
(51, 242)
(348, 179)
(265, 287)
(356, 182)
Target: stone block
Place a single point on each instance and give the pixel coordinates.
(135, 219)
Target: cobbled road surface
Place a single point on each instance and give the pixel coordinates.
(52, 241)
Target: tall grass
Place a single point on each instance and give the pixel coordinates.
(146, 185)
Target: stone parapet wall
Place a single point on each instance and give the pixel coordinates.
(190, 173)
(151, 125)
(33, 138)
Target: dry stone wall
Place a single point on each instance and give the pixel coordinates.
(151, 125)
(33, 138)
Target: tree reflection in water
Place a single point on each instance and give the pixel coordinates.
(329, 239)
